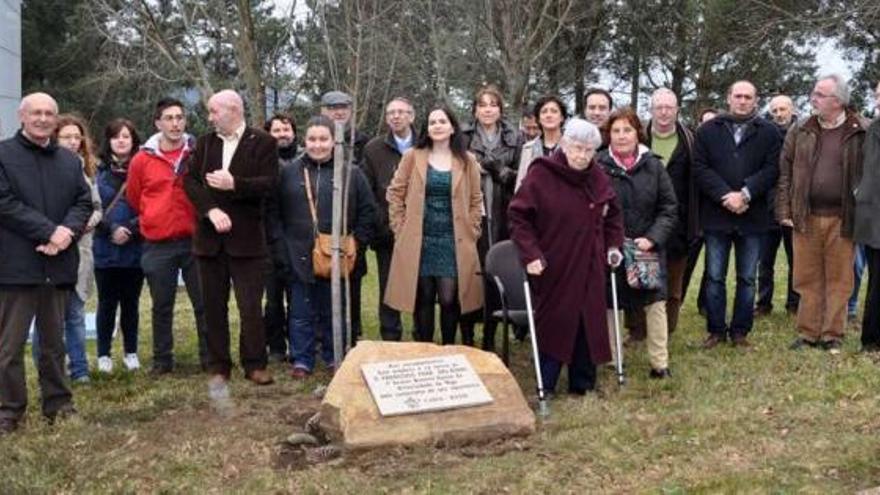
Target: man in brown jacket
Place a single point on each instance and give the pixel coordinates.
(232, 172)
(820, 167)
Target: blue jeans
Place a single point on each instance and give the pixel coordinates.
(74, 337)
(858, 270)
(747, 249)
(309, 315)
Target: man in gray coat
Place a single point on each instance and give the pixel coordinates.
(44, 206)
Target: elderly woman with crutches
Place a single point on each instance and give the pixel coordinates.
(567, 225)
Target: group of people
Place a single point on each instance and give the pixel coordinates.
(582, 198)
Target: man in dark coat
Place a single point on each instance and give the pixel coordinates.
(567, 224)
(673, 142)
(231, 174)
(866, 230)
(281, 127)
(338, 107)
(736, 157)
(44, 206)
(381, 156)
(782, 113)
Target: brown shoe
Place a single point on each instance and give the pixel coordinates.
(260, 377)
(298, 373)
(739, 340)
(713, 340)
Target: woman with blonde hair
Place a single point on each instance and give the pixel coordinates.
(72, 134)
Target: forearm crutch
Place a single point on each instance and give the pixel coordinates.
(543, 408)
(618, 348)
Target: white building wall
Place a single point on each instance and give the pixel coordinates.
(10, 65)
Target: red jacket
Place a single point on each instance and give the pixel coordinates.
(155, 191)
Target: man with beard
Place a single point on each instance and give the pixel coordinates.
(281, 127)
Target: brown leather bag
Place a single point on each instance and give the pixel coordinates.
(322, 252)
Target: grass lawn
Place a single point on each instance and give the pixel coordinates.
(768, 420)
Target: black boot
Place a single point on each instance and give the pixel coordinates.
(489, 337)
(467, 335)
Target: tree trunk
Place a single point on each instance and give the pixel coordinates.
(248, 66)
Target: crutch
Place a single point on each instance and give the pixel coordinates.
(618, 350)
(543, 408)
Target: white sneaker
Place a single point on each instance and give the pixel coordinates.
(105, 364)
(131, 362)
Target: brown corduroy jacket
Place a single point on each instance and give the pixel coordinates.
(797, 162)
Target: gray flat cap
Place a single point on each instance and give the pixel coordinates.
(335, 98)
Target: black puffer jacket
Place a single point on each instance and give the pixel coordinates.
(501, 164)
(291, 219)
(650, 210)
(40, 189)
(646, 195)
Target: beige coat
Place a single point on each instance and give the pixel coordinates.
(406, 202)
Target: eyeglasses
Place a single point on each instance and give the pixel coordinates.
(821, 96)
(399, 112)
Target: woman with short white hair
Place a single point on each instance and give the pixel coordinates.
(567, 224)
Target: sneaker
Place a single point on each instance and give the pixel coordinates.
(105, 364)
(81, 380)
(131, 362)
(832, 346)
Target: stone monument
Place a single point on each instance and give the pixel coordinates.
(422, 393)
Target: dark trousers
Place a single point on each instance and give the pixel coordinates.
(246, 276)
(161, 262)
(18, 307)
(275, 312)
(118, 287)
(767, 265)
(693, 257)
(443, 290)
(581, 371)
(390, 326)
(355, 294)
(871, 318)
(747, 248)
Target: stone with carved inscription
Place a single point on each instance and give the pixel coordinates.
(433, 395)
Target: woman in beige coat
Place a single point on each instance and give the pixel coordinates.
(434, 209)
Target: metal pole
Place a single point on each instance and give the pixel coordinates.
(336, 230)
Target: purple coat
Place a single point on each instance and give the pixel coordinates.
(569, 219)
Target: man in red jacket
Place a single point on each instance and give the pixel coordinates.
(167, 222)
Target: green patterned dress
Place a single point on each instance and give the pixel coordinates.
(438, 233)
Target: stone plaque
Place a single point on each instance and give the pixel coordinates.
(421, 385)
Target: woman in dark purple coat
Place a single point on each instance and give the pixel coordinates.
(567, 224)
